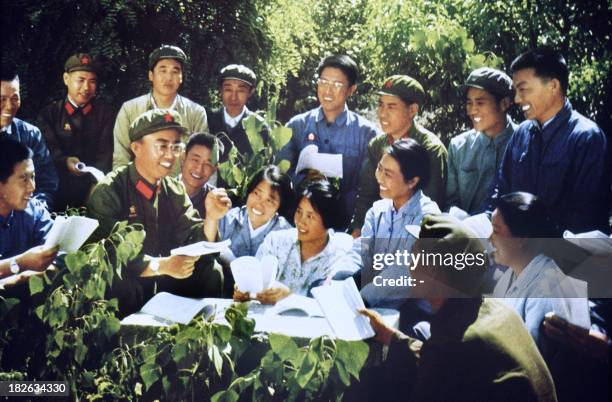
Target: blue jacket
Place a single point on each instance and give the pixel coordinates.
(46, 176)
(566, 164)
(22, 230)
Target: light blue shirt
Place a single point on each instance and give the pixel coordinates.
(348, 135)
(540, 288)
(292, 272)
(384, 232)
(236, 227)
(473, 161)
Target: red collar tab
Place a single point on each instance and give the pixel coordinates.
(69, 108)
(144, 189)
(86, 109)
(168, 118)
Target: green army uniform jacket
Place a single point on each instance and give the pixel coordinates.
(368, 186)
(169, 221)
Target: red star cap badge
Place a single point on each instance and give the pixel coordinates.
(168, 118)
(388, 84)
(85, 60)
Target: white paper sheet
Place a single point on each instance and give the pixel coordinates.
(595, 242)
(69, 233)
(98, 174)
(201, 248)
(173, 308)
(252, 275)
(307, 305)
(328, 164)
(340, 303)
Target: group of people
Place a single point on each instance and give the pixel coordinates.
(161, 153)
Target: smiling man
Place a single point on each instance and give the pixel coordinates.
(556, 154)
(398, 104)
(236, 85)
(333, 128)
(27, 134)
(166, 65)
(475, 156)
(142, 192)
(78, 128)
(199, 164)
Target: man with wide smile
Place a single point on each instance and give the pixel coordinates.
(143, 192)
(557, 154)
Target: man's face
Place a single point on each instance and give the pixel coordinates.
(11, 101)
(394, 115)
(166, 77)
(391, 182)
(81, 86)
(486, 114)
(235, 95)
(537, 97)
(333, 90)
(19, 187)
(197, 166)
(155, 154)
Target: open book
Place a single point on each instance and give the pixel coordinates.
(70, 232)
(166, 309)
(201, 248)
(328, 164)
(296, 305)
(252, 275)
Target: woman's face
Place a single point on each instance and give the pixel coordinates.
(308, 222)
(506, 245)
(262, 203)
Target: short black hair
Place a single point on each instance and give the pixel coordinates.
(281, 183)
(547, 63)
(527, 216)
(11, 153)
(413, 160)
(324, 199)
(342, 62)
(205, 139)
(9, 75)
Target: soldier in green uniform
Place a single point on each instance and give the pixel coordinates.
(142, 192)
(78, 129)
(398, 104)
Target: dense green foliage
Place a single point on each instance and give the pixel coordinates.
(66, 330)
(437, 42)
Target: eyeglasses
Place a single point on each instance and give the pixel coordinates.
(164, 148)
(336, 86)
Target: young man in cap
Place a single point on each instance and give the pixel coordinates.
(166, 65)
(398, 104)
(27, 134)
(24, 221)
(78, 129)
(142, 192)
(333, 128)
(236, 85)
(199, 163)
(557, 154)
(475, 155)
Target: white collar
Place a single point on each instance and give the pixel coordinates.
(173, 106)
(233, 121)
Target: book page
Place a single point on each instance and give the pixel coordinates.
(340, 302)
(307, 305)
(202, 248)
(173, 308)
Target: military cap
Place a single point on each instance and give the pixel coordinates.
(443, 234)
(491, 80)
(153, 121)
(404, 87)
(167, 52)
(81, 62)
(238, 72)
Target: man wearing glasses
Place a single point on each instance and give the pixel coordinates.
(142, 193)
(333, 128)
(166, 65)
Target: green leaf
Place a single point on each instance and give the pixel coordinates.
(280, 136)
(149, 372)
(307, 369)
(40, 311)
(353, 355)
(225, 170)
(343, 374)
(283, 346)
(238, 174)
(80, 351)
(225, 396)
(179, 352)
(111, 327)
(59, 338)
(253, 126)
(284, 165)
(215, 356)
(36, 285)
